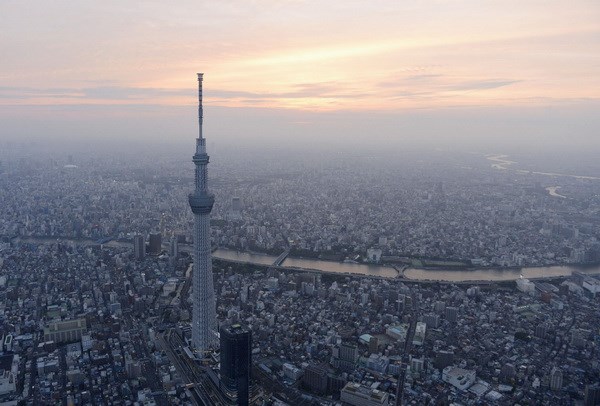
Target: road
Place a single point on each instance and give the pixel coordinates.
(189, 373)
(407, 349)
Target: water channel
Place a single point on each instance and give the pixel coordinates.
(455, 275)
(417, 274)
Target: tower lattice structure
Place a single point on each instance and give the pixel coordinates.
(201, 201)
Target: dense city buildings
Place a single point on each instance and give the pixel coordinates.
(98, 281)
(402, 209)
(456, 212)
(499, 346)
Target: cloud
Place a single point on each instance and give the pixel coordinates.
(335, 90)
(125, 93)
(96, 92)
(411, 79)
(481, 84)
(19, 92)
(301, 90)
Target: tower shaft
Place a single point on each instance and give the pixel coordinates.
(201, 202)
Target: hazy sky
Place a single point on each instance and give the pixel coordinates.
(333, 68)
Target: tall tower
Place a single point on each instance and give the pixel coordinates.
(204, 321)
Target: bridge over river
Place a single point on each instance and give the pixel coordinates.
(371, 270)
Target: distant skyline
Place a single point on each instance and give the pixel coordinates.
(76, 67)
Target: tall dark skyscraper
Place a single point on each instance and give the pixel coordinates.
(236, 362)
(592, 395)
(139, 247)
(155, 243)
(204, 319)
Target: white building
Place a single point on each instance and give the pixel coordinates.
(459, 378)
(374, 255)
(397, 332)
(591, 284)
(291, 372)
(525, 286)
(420, 330)
(365, 339)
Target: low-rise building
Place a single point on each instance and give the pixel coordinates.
(8, 373)
(65, 330)
(459, 378)
(358, 395)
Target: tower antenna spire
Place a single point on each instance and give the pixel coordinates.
(200, 109)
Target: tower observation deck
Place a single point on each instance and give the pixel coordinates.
(201, 201)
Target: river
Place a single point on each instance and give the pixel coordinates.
(417, 274)
(553, 191)
(307, 263)
(501, 162)
(454, 275)
(508, 274)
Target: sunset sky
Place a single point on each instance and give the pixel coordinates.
(381, 57)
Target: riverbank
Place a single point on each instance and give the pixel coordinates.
(245, 266)
(412, 273)
(409, 273)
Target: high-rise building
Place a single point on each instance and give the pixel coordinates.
(236, 362)
(592, 395)
(236, 204)
(556, 379)
(315, 379)
(374, 345)
(508, 373)
(139, 247)
(236, 209)
(443, 359)
(451, 314)
(204, 320)
(173, 248)
(578, 338)
(348, 356)
(541, 330)
(417, 365)
(432, 320)
(155, 243)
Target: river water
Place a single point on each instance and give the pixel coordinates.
(497, 274)
(553, 191)
(410, 273)
(417, 274)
